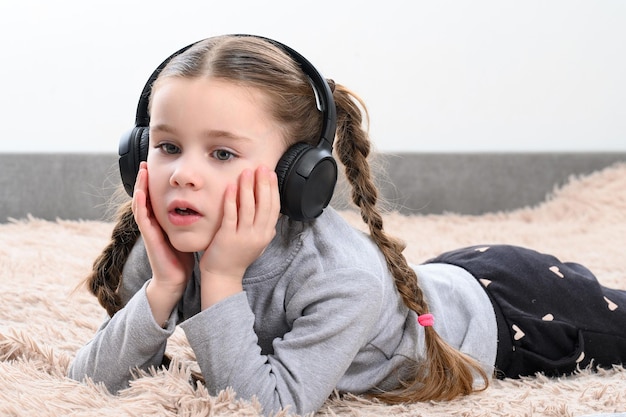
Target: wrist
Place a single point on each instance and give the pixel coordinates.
(215, 288)
(162, 300)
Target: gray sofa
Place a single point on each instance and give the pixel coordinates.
(80, 186)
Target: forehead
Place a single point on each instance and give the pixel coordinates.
(212, 104)
(203, 90)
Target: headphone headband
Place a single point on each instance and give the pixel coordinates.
(323, 93)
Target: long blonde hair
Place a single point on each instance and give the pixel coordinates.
(257, 63)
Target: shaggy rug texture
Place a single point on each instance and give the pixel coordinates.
(46, 316)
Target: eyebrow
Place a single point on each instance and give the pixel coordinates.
(209, 134)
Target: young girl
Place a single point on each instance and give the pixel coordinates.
(278, 296)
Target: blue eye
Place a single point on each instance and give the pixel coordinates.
(223, 155)
(169, 148)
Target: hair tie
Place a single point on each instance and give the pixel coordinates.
(426, 320)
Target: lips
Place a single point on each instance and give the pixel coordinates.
(182, 213)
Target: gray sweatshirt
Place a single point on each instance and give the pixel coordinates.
(319, 312)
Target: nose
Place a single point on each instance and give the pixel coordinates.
(187, 174)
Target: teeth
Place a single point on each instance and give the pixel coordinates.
(182, 211)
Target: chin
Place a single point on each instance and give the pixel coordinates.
(189, 248)
(188, 244)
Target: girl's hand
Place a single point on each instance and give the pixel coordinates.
(251, 212)
(171, 269)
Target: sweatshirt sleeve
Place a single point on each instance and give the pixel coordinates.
(130, 340)
(329, 323)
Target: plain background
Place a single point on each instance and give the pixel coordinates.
(438, 76)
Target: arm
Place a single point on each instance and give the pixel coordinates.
(131, 338)
(328, 322)
(330, 316)
(136, 336)
(171, 268)
(251, 211)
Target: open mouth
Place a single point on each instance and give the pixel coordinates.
(185, 211)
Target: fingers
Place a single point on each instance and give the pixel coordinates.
(251, 210)
(247, 204)
(142, 208)
(229, 219)
(259, 201)
(267, 198)
(140, 194)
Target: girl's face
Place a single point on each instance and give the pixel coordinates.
(203, 133)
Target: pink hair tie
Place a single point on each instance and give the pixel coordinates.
(426, 320)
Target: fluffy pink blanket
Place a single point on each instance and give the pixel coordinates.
(45, 316)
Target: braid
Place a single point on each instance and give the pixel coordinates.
(447, 372)
(106, 275)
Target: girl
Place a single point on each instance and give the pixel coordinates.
(279, 298)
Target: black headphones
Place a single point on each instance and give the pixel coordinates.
(306, 174)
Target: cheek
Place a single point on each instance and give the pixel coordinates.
(155, 179)
(157, 182)
(156, 169)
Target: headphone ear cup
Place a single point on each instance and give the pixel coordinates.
(306, 180)
(286, 163)
(133, 149)
(142, 147)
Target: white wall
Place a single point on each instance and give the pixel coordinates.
(443, 75)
